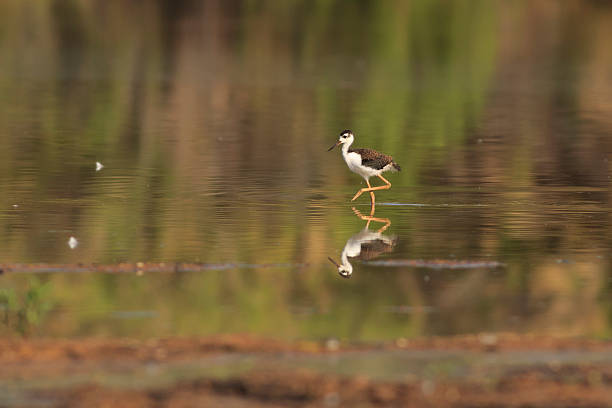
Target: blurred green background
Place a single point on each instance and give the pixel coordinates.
(212, 120)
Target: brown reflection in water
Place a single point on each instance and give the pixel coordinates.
(202, 105)
(210, 118)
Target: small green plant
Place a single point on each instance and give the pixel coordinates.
(8, 301)
(23, 313)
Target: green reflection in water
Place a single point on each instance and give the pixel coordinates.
(24, 306)
(212, 122)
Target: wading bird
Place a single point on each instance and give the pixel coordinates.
(366, 163)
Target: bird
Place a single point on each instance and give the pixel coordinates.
(365, 245)
(365, 162)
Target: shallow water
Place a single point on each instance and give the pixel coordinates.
(212, 123)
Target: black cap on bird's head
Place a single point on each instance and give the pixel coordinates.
(344, 270)
(346, 136)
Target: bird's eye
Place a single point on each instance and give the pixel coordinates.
(344, 136)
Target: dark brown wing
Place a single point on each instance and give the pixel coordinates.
(373, 159)
(372, 249)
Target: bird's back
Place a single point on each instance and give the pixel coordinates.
(373, 159)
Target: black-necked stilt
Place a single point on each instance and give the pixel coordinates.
(366, 163)
(365, 245)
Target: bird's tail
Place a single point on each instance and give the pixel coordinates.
(396, 166)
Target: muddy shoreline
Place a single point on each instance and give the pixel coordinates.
(501, 370)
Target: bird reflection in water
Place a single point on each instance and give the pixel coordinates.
(366, 244)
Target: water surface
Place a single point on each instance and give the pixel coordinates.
(212, 122)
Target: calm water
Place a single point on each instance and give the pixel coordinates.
(212, 122)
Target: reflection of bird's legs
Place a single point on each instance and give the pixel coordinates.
(386, 221)
(370, 188)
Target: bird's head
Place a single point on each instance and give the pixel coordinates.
(346, 137)
(345, 270)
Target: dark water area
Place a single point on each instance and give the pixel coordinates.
(212, 121)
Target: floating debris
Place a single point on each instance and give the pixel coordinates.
(99, 166)
(140, 266)
(406, 204)
(73, 242)
(332, 344)
(401, 342)
(487, 339)
(434, 205)
(437, 264)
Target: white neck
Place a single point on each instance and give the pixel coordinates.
(344, 258)
(345, 262)
(345, 147)
(345, 150)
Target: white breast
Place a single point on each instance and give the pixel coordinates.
(352, 248)
(353, 161)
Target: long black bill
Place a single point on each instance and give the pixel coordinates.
(334, 262)
(337, 143)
